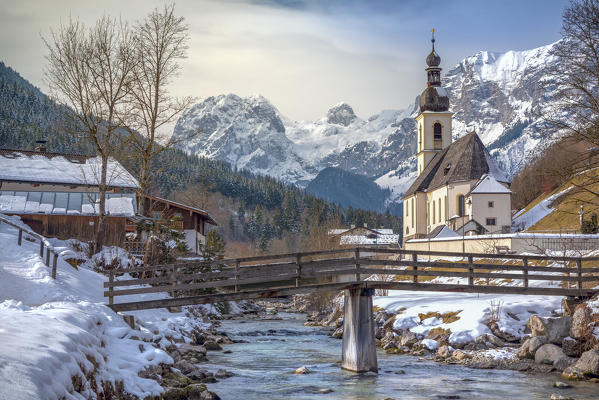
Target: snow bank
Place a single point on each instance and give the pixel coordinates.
(52, 330)
(474, 311)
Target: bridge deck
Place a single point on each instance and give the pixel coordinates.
(288, 274)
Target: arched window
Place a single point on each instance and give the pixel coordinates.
(461, 206)
(437, 131)
(439, 208)
(433, 212)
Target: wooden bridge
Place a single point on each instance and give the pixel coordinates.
(358, 272)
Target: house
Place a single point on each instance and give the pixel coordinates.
(56, 194)
(458, 183)
(362, 235)
(191, 220)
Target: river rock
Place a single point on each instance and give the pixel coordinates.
(562, 385)
(459, 355)
(211, 345)
(223, 374)
(555, 396)
(586, 367)
(302, 370)
(582, 325)
(571, 347)
(408, 339)
(553, 328)
(530, 346)
(445, 351)
(184, 366)
(338, 334)
(548, 354)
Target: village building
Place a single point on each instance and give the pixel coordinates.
(190, 220)
(364, 236)
(458, 183)
(57, 195)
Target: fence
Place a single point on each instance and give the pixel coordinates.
(44, 244)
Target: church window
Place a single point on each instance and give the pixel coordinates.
(491, 204)
(461, 206)
(437, 131)
(412, 212)
(439, 208)
(491, 221)
(433, 211)
(446, 170)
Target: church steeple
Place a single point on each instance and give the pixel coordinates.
(434, 120)
(434, 97)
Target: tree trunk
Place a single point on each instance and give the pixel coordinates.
(143, 184)
(102, 206)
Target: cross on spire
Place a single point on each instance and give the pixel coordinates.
(433, 38)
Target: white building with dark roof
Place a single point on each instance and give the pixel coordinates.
(458, 184)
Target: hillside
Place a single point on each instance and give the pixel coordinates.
(348, 189)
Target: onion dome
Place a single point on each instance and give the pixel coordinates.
(433, 59)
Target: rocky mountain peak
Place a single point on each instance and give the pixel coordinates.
(341, 114)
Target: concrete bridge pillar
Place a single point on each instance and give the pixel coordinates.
(359, 346)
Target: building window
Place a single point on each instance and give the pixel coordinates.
(491, 204)
(437, 131)
(491, 222)
(407, 230)
(439, 208)
(461, 206)
(433, 211)
(412, 212)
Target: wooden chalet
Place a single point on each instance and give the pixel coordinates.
(56, 194)
(362, 235)
(182, 217)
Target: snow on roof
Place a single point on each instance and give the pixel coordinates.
(74, 203)
(447, 232)
(362, 239)
(488, 184)
(28, 166)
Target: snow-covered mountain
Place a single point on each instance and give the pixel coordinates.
(498, 95)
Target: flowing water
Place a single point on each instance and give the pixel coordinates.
(264, 367)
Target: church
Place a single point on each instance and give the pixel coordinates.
(458, 187)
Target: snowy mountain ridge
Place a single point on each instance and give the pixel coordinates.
(496, 94)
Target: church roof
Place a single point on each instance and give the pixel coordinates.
(465, 159)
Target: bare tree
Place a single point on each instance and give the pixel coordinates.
(161, 42)
(89, 72)
(575, 78)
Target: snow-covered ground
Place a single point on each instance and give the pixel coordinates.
(474, 311)
(54, 330)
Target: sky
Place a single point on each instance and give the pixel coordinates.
(303, 55)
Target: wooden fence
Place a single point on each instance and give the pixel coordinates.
(276, 275)
(44, 244)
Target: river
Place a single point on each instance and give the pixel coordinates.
(264, 367)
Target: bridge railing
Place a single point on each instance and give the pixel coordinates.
(318, 269)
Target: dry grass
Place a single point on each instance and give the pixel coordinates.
(447, 317)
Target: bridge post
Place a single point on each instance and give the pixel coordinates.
(359, 348)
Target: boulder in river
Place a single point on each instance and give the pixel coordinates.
(553, 355)
(582, 326)
(586, 367)
(553, 328)
(302, 370)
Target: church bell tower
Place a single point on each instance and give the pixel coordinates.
(434, 121)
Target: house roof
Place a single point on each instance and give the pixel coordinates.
(377, 231)
(61, 168)
(195, 210)
(442, 231)
(488, 184)
(465, 159)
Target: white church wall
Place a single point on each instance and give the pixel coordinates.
(481, 210)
